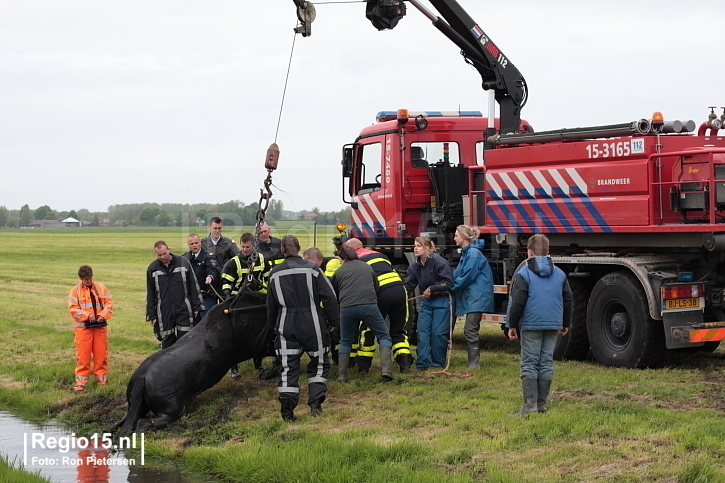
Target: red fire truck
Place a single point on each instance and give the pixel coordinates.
(635, 212)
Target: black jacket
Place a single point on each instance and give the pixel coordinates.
(296, 288)
(224, 250)
(172, 294)
(205, 265)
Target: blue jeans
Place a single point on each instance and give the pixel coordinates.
(350, 318)
(537, 354)
(434, 325)
(209, 302)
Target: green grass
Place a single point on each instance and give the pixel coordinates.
(12, 472)
(603, 424)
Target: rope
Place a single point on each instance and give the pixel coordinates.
(284, 92)
(445, 370)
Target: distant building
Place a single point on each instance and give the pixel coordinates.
(309, 215)
(71, 222)
(46, 224)
(121, 223)
(104, 221)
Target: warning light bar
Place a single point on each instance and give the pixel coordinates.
(383, 116)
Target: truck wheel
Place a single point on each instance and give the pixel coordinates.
(621, 332)
(575, 345)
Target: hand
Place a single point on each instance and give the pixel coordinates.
(564, 331)
(512, 334)
(427, 293)
(92, 319)
(152, 322)
(196, 312)
(208, 280)
(100, 320)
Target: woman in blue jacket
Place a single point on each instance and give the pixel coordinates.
(432, 274)
(472, 287)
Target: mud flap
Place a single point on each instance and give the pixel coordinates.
(677, 327)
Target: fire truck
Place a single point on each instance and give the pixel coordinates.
(634, 212)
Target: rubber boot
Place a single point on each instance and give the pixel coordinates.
(405, 361)
(315, 409)
(474, 356)
(531, 393)
(342, 363)
(544, 386)
(386, 361)
(288, 410)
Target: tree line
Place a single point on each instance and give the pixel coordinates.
(234, 213)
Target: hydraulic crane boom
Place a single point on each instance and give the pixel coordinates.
(496, 70)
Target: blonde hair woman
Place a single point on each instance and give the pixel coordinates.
(432, 274)
(473, 288)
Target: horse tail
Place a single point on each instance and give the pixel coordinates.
(133, 413)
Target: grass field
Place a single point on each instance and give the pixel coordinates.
(603, 424)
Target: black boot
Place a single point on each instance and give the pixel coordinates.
(544, 386)
(474, 355)
(386, 361)
(343, 360)
(405, 361)
(288, 410)
(315, 409)
(531, 393)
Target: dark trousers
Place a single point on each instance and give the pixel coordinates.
(393, 304)
(290, 345)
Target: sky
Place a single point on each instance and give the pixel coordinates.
(114, 102)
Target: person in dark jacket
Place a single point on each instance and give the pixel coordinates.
(173, 298)
(540, 308)
(206, 269)
(472, 288)
(432, 274)
(221, 247)
(269, 246)
(302, 307)
(356, 286)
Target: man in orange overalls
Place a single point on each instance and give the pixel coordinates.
(90, 304)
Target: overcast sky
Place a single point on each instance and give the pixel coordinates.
(177, 101)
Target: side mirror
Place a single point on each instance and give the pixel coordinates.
(346, 162)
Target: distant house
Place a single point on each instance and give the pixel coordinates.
(46, 224)
(104, 221)
(121, 223)
(310, 215)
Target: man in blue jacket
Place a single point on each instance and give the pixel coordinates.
(540, 309)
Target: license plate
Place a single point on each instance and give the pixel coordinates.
(683, 303)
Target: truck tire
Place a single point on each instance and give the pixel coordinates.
(575, 345)
(621, 332)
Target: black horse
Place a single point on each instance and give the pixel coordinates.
(167, 382)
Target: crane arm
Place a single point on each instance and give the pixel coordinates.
(496, 70)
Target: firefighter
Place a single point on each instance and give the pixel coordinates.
(269, 246)
(173, 298)
(90, 305)
(329, 265)
(393, 304)
(235, 271)
(302, 306)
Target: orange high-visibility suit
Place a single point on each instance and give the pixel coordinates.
(91, 342)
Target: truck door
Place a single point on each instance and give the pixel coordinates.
(366, 188)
